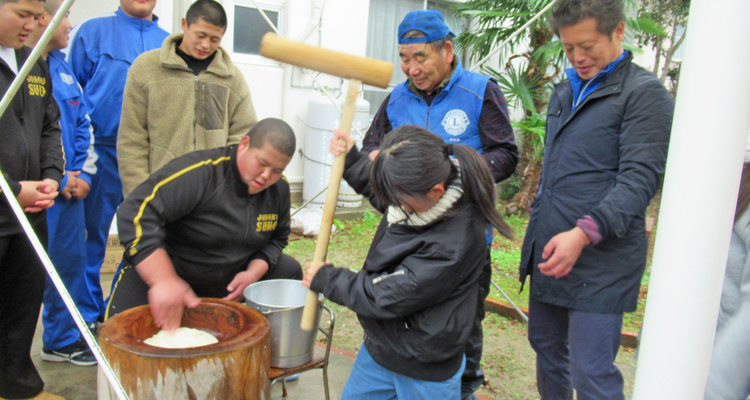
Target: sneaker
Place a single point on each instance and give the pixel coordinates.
(77, 353)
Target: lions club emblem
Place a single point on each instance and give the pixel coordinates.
(455, 122)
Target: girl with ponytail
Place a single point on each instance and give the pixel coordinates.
(417, 293)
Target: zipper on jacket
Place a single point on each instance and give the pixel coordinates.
(576, 103)
(247, 218)
(429, 108)
(429, 113)
(23, 126)
(196, 111)
(203, 116)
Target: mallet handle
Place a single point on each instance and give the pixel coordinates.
(329, 209)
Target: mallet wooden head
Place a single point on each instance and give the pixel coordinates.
(368, 70)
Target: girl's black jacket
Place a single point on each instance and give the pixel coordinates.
(417, 293)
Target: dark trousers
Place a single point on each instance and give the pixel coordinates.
(130, 291)
(473, 377)
(22, 287)
(575, 350)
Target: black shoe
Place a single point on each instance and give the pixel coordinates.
(77, 353)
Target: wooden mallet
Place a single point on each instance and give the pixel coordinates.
(358, 70)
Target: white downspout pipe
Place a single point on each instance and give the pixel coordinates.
(315, 19)
(700, 192)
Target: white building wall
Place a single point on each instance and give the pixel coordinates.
(82, 10)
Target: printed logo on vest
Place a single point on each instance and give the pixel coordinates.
(455, 122)
(68, 79)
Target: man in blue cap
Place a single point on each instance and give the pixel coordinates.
(462, 107)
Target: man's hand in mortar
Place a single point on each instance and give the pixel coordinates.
(168, 294)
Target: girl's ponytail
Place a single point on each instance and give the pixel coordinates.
(477, 184)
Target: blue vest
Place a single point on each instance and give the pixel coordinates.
(453, 114)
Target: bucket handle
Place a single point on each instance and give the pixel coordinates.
(267, 311)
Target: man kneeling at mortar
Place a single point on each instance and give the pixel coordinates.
(208, 224)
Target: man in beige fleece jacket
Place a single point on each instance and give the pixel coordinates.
(186, 96)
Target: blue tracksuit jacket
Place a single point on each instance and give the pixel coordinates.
(101, 52)
(74, 119)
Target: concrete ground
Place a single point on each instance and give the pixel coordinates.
(79, 383)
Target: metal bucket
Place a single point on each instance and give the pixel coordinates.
(282, 302)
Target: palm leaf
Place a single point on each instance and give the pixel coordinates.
(551, 52)
(649, 26)
(515, 86)
(481, 13)
(635, 49)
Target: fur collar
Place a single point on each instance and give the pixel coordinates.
(397, 216)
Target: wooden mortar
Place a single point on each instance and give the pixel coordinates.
(237, 367)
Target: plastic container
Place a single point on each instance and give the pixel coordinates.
(323, 118)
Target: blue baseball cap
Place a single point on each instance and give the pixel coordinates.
(428, 21)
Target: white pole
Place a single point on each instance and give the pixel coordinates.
(710, 128)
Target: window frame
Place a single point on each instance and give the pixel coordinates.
(257, 59)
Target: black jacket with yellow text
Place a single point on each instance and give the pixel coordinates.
(30, 143)
(198, 209)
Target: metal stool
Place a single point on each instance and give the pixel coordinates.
(317, 361)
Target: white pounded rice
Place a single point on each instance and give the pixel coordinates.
(181, 339)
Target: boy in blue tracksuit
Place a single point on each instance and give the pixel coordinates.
(101, 52)
(67, 230)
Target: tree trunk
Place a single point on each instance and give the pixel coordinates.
(674, 46)
(657, 58)
(529, 171)
(529, 165)
(659, 40)
(669, 52)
